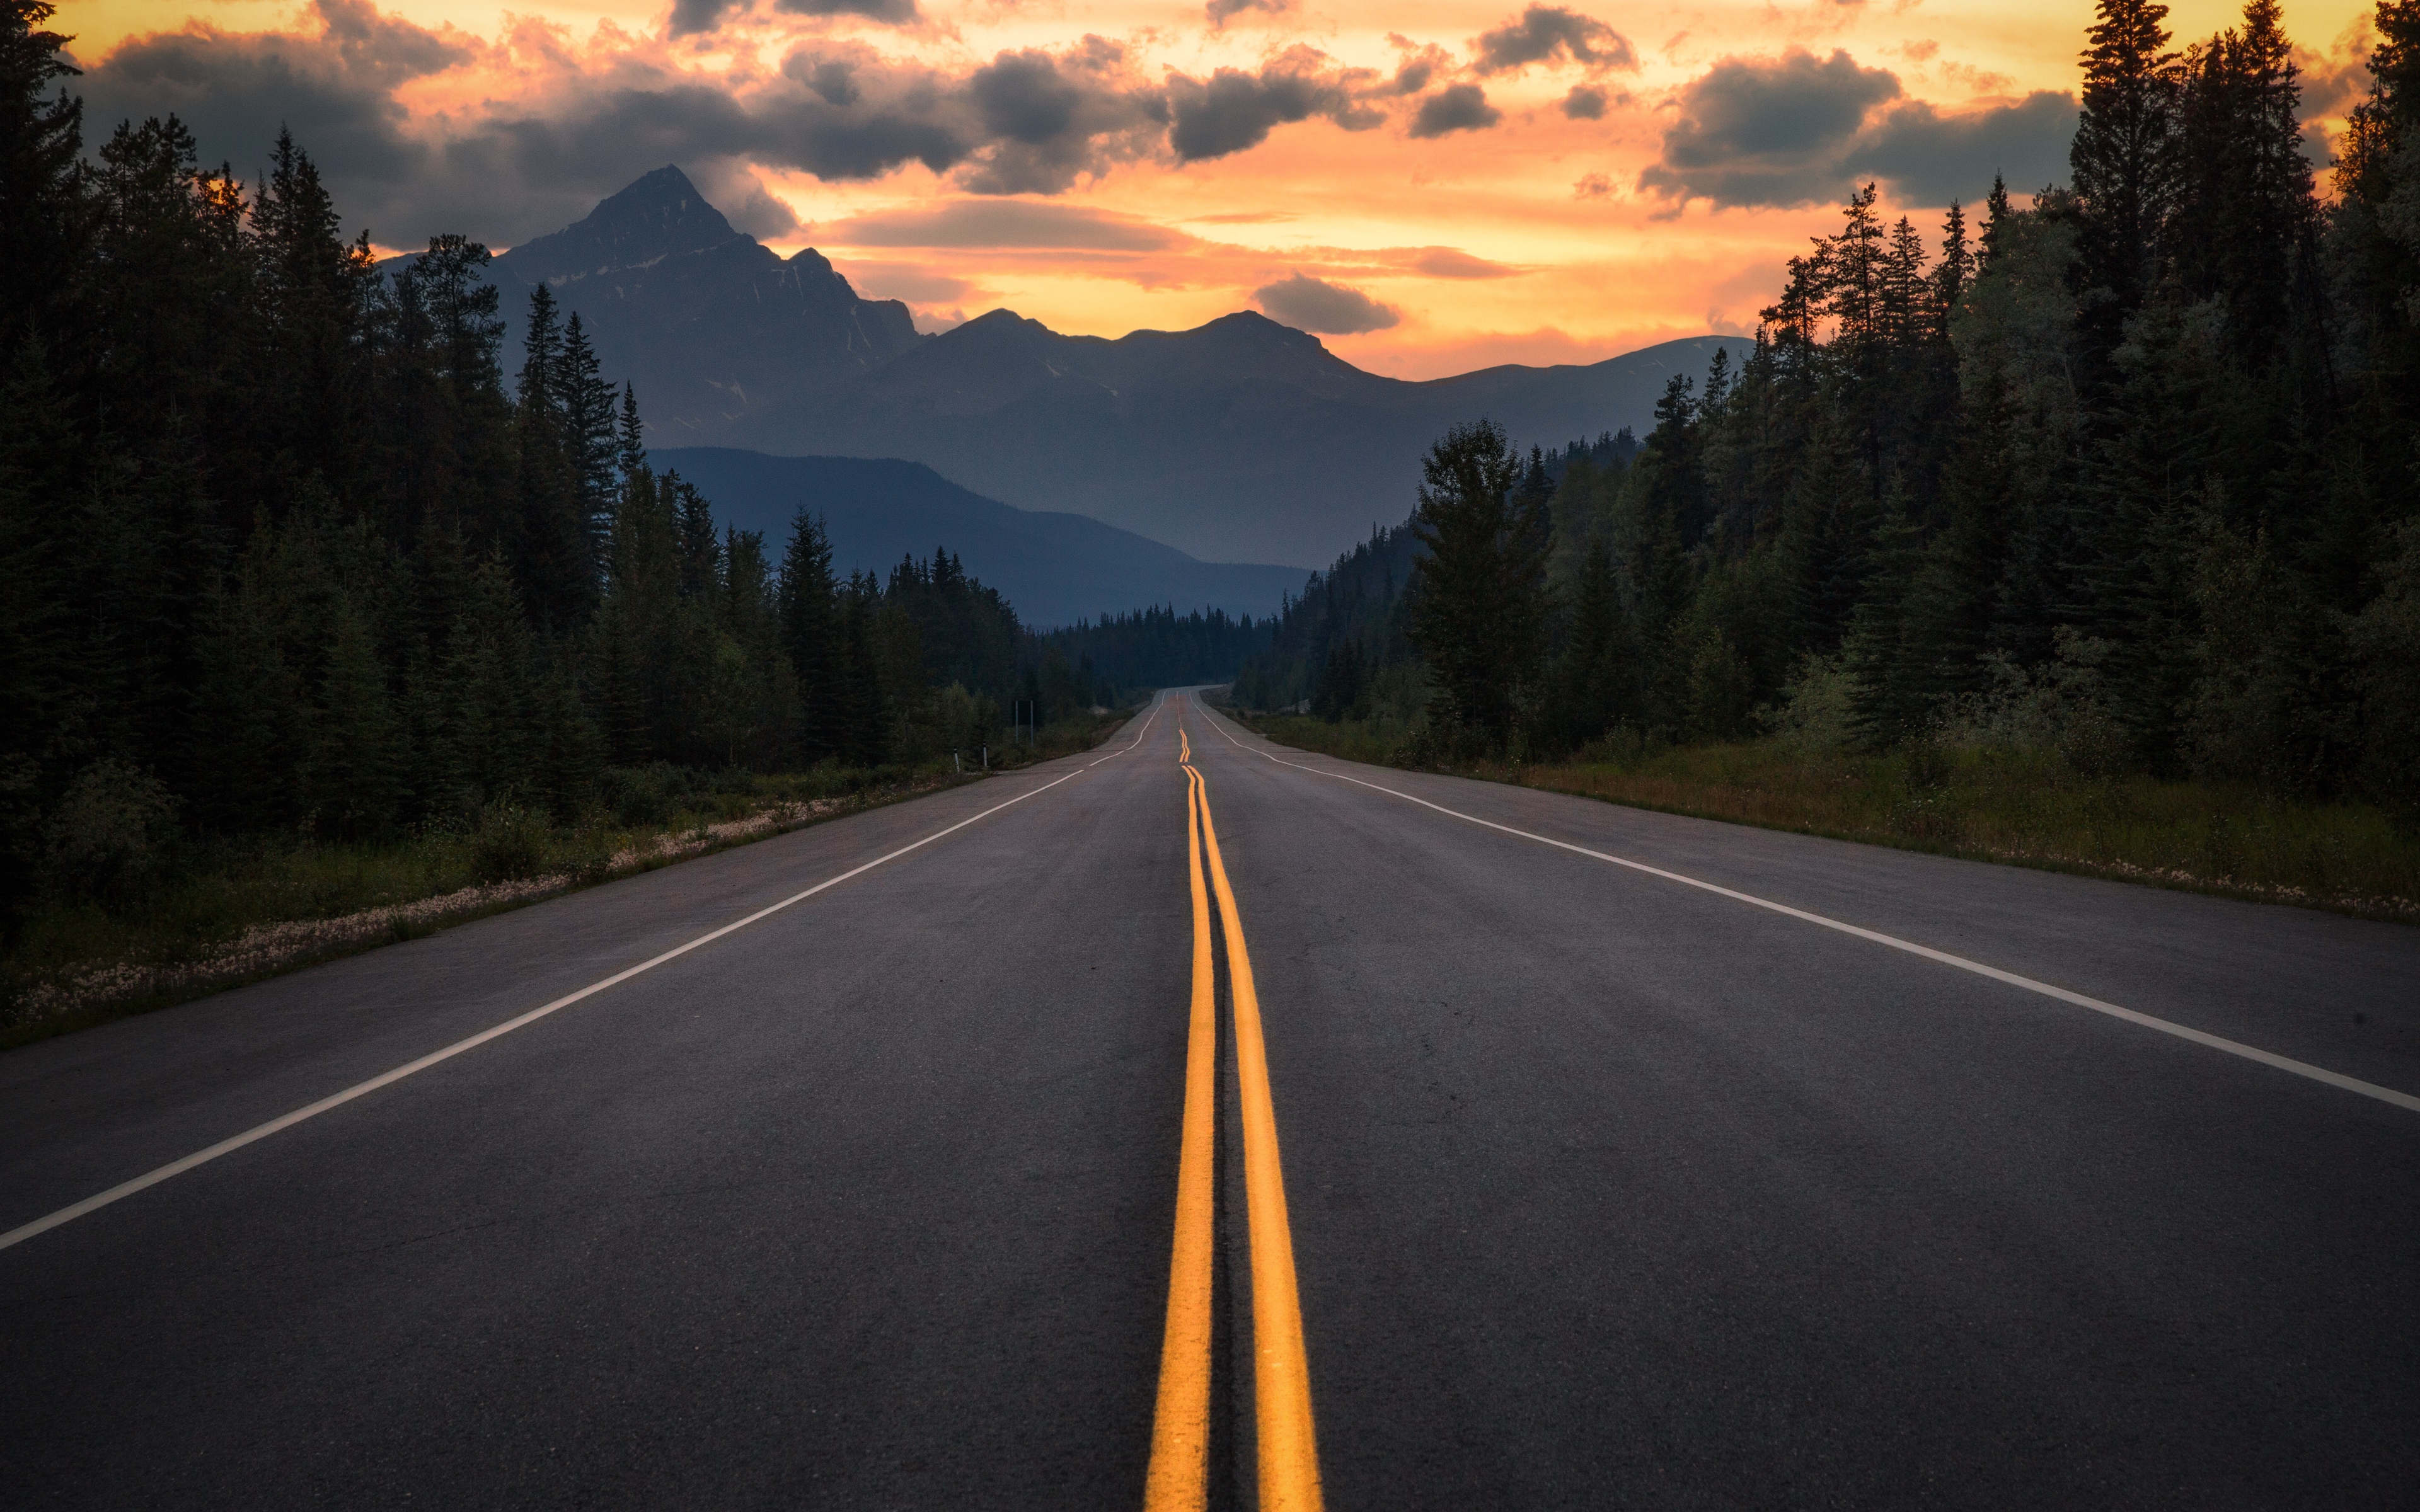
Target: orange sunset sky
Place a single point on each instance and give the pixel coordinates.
(1435, 186)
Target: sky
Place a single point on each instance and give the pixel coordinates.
(1431, 185)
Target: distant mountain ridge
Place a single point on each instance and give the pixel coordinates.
(1242, 440)
(1239, 438)
(1054, 568)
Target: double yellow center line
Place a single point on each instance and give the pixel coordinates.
(1288, 1452)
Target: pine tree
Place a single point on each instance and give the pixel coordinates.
(2244, 205)
(45, 222)
(1996, 212)
(1955, 271)
(1596, 683)
(2124, 160)
(1478, 597)
(865, 740)
(487, 743)
(810, 634)
(591, 445)
(316, 293)
(552, 554)
(355, 773)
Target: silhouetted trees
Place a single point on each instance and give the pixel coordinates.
(282, 549)
(2131, 471)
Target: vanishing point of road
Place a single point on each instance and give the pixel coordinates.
(1200, 1121)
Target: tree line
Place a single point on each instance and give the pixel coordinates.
(289, 549)
(2130, 469)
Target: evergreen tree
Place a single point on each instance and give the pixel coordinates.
(356, 750)
(592, 446)
(811, 636)
(1596, 680)
(1478, 597)
(552, 552)
(2124, 160)
(2244, 209)
(43, 219)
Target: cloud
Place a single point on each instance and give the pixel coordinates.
(1313, 305)
(889, 12)
(1452, 262)
(1546, 34)
(692, 17)
(998, 223)
(1798, 129)
(1766, 130)
(1233, 110)
(1460, 107)
(1051, 120)
(1592, 186)
(689, 17)
(519, 159)
(1932, 158)
(236, 90)
(1221, 11)
(736, 191)
(911, 282)
(832, 79)
(1586, 102)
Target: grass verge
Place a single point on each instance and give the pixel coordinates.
(2025, 807)
(230, 913)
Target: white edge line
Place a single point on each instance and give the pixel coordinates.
(178, 1168)
(2233, 1047)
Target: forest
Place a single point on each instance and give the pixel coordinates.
(2126, 473)
(295, 549)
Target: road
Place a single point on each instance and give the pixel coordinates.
(1601, 1187)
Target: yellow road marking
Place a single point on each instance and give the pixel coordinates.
(1288, 1449)
(1179, 1476)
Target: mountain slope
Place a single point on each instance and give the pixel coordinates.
(1055, 568)
(710, 324)
(1241, 439)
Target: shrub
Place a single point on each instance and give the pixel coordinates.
(110, 837)
(510, 842)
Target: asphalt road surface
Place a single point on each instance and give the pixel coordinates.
(1602, 1188)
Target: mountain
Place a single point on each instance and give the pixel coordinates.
(1242, 440)
(711, 325)
(1055, 568)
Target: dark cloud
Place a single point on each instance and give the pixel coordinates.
(893, 12)
(1232, 110)
(1001, 225)
(832, 79)
(691, 17)
(1767, 131)
(735, 189)
(1798, 129)
(1452, 262)
(1586, 102)
(1546, 34)
(1932, 158)
(234, 91)
(1026, 121)
(1221, 11)
(1460, 107)
(1309, 303)
(1047, 121)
